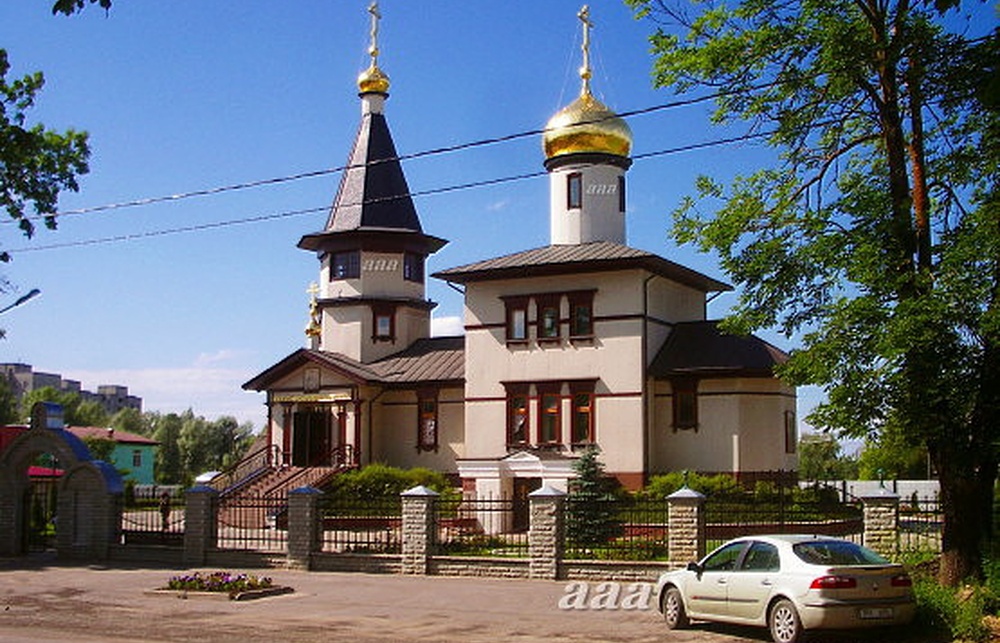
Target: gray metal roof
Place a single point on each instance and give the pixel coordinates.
(701, 349)
(598, 256)
(433, 360)
(437, 359)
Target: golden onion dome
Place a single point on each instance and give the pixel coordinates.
(585, 126)
(373, 80)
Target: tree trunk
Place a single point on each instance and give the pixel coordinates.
(963, 485)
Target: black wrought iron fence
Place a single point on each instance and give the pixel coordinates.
(256, 522)
(920, 521)
(155, 520)
(782, 510)
(615, 528)
(362, 525)
(484, 526)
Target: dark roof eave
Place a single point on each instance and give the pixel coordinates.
(332, 241)
(656, 265)
(295, 360)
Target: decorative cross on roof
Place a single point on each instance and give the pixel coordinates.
(585, 72)
(373, 47)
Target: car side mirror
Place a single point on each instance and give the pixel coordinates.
(694, 567)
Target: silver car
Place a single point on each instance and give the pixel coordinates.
(789, 584)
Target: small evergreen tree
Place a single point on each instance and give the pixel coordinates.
(591, 518)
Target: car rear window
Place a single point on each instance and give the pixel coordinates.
(836, 552)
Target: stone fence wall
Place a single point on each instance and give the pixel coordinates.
(686, 535)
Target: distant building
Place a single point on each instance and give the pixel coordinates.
(133, 453)
(22, 379)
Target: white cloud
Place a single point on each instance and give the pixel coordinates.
(206, 387)
(497, 206)
(447, 326)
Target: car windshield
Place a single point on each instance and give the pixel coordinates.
(836, 552)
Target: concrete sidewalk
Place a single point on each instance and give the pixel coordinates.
(42, 600)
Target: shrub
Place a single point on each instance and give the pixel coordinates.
(376, 481)
(956, 613)
(719, 485)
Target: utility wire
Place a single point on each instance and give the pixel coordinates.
(448, 149)
(429, 192)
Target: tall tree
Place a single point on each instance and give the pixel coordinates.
(36, 163)
(8, 403)
(875, 236)
(820, 458)
(167, 431)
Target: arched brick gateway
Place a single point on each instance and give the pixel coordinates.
(89, 491)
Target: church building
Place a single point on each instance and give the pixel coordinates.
(583, 343)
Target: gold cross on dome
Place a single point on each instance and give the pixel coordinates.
(585, 72)
(373, 47)
(313, 290)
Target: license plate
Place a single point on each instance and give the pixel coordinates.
(875, 613)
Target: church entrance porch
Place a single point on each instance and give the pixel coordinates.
(319, 435)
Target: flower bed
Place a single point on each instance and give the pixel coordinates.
(236, 586)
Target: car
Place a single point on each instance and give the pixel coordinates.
(789, 584)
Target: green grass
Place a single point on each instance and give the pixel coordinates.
(952, 613)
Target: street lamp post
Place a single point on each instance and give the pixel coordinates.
(23, 299)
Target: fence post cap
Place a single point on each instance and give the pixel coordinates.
(880, 494)
(686, 493)
(547, 491)
(306, 490)
(420, 491)
(202, 488)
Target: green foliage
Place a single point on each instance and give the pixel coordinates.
(591, 516)
(376, 481)
(715, 486)
(35, 163)
(957, 612)
(88, 413)
(101, 448)
(132, 421)
(69, 7)
(8, 404)
(890, 456)
(69, 401)
(166, 431)
(872, 237)
(820, 458)
(205, 445)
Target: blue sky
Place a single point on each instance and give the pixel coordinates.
(184, 96)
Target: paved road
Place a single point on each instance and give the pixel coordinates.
(41, 601)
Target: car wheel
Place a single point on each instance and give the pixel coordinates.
(784, 623)
(672, 607)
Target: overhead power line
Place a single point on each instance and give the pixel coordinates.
(420, 193)
(447, 149)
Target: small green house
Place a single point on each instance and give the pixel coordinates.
(133, 454)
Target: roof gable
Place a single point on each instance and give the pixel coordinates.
(433, 360)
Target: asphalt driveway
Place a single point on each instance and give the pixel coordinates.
(42, 600)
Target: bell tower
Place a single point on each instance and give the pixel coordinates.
(586, 154)
(371, 299)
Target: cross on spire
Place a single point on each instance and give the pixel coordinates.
(373, 47)
(585, 72)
